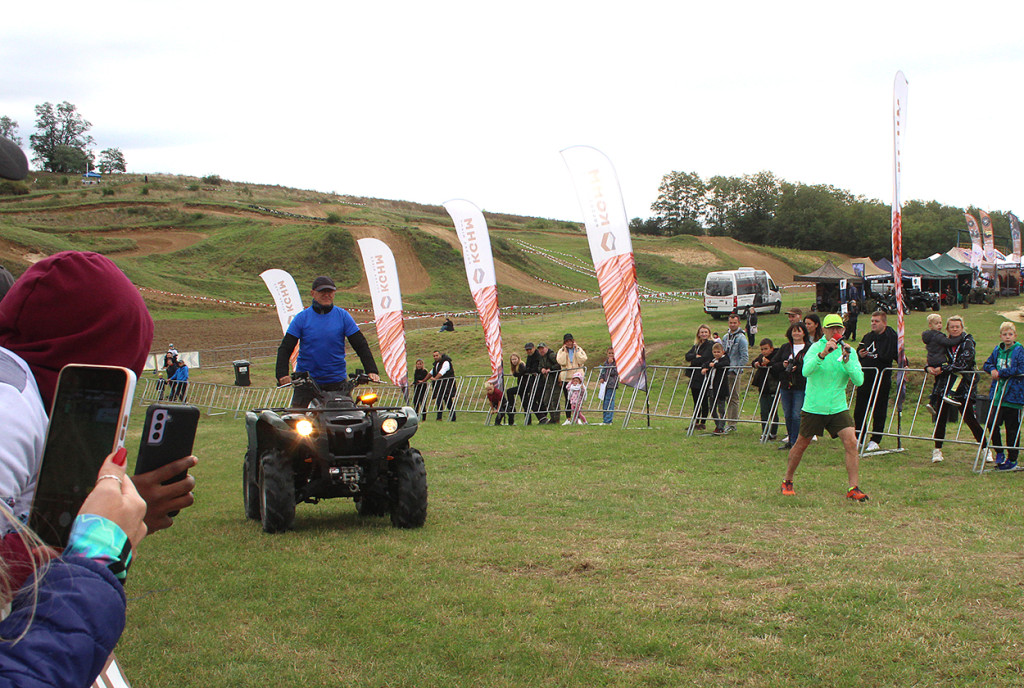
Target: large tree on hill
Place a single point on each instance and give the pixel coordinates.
(112, 160)
(56, 127)
(681, 203)
(9, 129)
(68, 159)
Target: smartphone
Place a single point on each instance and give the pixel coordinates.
(88, 421)
(168, 434)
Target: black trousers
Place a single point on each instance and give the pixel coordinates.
(860, 408)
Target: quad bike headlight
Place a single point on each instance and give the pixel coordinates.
(388, 426)
(304, 427)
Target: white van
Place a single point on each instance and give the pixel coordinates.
(735, 291)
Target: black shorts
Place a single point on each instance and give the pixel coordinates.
(812, 424)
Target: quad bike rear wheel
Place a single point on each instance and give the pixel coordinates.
(277, 492)
(250, 492)
(409, 490)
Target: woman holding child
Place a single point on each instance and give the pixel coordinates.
(958, 385)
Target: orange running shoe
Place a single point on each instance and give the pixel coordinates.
(787, 488)
(855, 493)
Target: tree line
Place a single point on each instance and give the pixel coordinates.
(61, 141)
(763, 209)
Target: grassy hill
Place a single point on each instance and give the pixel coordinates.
(190, 237)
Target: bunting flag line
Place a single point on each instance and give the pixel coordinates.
(287, 298)
(972, 229)
(1015, 236)
(987, 237)
(382, 276)
(597, 189)
(476, 253)
(899, 127)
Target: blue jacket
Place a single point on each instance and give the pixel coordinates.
(181, 374)
(1013, 374)
(79, 616)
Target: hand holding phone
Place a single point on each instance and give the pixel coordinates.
(115, 498)
(165, 455)
(88, 421)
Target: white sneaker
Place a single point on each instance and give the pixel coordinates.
(568, 422)
(989, 456)
(785, 439)
(581, 422)
(814, 438)
(937, 456)
(872, 446)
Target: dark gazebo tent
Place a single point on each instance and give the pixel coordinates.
(826, 280)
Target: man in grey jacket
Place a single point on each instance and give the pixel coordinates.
(738, 353)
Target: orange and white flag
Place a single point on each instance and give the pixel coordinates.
(597, 188)
(287, 299)
(987, 237)
(476, 253)
(382, 274)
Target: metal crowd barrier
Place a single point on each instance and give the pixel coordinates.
(668, 396)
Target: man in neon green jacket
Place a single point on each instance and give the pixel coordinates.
(828, 367)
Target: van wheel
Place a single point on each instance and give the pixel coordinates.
(778, 307)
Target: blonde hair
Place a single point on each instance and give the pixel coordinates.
(696, 336)
(488, 386)
(958, 319)
(515, 356)
(1007, 325)
(717, 347)
(934, 318)
(32, 542)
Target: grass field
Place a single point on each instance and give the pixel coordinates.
(598, 556)
(593, 556)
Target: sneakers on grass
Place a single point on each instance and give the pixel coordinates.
(953, 402)
(872, 446)
(937, 456)
(854, 493)
(1007, 466)
(787, 488)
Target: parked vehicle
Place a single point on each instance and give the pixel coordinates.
(338, 447)
(735, 291)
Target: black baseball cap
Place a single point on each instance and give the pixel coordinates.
(322, 283)
(529, 345)
(13, 163)
(566, 337)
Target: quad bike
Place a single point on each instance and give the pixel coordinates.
(919, 300)
(337, 447)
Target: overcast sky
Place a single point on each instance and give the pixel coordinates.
(432, 101)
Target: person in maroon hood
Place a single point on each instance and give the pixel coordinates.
(78, 307)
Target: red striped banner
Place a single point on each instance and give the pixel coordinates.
(597, 188)
(476, 253)
(382, 275)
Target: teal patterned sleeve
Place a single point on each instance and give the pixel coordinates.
(101, 540)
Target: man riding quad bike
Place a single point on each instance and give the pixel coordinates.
(336, 447)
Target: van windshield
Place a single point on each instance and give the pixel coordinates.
(718, 287)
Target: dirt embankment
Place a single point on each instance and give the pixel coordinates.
(748, 257)
(506, 274)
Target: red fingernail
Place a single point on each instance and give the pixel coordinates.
(120, 457)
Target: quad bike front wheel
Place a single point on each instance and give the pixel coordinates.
(277, 492)
(409, 490)
(250, 492)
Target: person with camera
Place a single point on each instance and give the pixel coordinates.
(787, 363)
(829, 365)
(320, 332)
